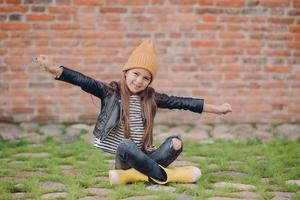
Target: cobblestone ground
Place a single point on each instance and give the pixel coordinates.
(36, 133)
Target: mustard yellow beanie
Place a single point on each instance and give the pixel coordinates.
(144, 56)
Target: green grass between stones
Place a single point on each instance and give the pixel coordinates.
(78, 166)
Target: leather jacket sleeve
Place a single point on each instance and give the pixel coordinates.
(86, 83)
(174, 102)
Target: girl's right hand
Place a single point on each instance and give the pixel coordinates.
(43, 62)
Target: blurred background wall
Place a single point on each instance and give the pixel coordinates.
(244, 52)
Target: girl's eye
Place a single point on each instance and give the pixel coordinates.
(135, 73)
(146, 78)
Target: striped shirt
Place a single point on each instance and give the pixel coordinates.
(111, 142)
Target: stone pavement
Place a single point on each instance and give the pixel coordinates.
(36, 133)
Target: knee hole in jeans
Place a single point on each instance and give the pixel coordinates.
(176, 143)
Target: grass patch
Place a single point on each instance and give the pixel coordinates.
(79, 166)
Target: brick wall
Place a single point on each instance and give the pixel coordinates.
(245, 52)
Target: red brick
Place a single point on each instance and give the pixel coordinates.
(63, 9)
(64, 43)
(158, 2)
(274, 84)
(233, 19)
(44, 117)
(135, 2)
(65, 26)
(17, 60)
(257, 108)
(40, 17)
(277, 69)
(113, 17)
(41, 43)
(279, 37)
(229, 52)
(295, 12)
(296, 37)
(88, 52)
(229, 3)
(183, 1)
(274, 3)
(209, 18)
(252, 44)
(294, 108)
(206, 2)
(257, 19)
(5, 118)
(185, 9)
(18, 93)
(296, 3)
(138, 10)
(24, 110)
(112, 44)
(113, 10)
(184, 68)
(14, 26)
(40, 50)
(18, 68)
(183, 18)
(87, 117)
(3, 35)
(275, 53)
(229, 76)
(13, 1)
(206, 26)
(17, 43)
(150, 27)
(13, 9)
(159, 10)
(64, 17)
(14, 76)
(230, 60)
(88, 2)
(233, 68)
(4, 86)
(114, 26)
(3, 51)
(209, 43)
(294, 29)
(281, 20)
(295, 45)
(281, 117)
(231, 35)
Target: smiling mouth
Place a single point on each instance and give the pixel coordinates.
(135, 86)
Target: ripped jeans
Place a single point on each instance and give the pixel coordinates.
(128, 155)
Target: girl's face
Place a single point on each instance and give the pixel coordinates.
(137, 79)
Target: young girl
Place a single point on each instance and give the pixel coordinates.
(125, 124)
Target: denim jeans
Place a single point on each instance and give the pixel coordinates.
(128, 155)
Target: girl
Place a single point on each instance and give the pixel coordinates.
(125, 123)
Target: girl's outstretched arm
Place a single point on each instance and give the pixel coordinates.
(217, 109)
(62, 73)
(43, 62)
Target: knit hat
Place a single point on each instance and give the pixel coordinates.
(144, 56)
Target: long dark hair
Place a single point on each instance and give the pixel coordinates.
(149, 107)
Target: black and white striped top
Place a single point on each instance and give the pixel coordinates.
(111, 142)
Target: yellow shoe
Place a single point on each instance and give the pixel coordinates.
(126, 176)
(189, 174)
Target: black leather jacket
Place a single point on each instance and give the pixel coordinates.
(110, 100)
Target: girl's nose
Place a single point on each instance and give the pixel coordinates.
(139, 80)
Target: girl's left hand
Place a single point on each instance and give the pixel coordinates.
(224, 108)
